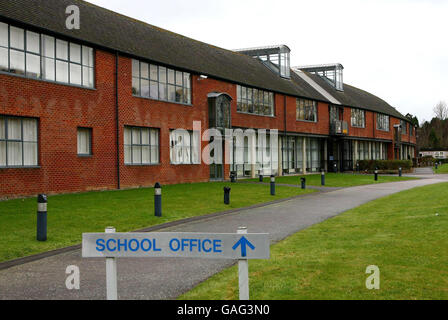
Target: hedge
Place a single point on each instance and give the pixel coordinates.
(371, 165)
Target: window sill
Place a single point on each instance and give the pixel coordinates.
(46, 81)
(255, 114)
(184, 164)
(85, 155)
(309, 121)
(383, 130)
(166, 101)
(142, 164)
(358, 127)
(20, 167)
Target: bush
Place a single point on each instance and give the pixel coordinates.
(384, 165)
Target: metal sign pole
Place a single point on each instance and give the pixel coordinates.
(111, 274)
(243, 272)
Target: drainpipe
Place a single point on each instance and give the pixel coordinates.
(284, 130)
(117, 123)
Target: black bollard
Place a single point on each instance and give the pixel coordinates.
(272, 185)
(227, 195)
(158, 200)
(376, 174)
(400, 172)
(322, 178)
(303, 182)
(260, 176)
(437, 165)
(233, 177)
(42, 217)
(335, 167)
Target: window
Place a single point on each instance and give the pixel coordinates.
(404, 126)
(160, 83)
(141, 145)
(18, 142)
(306, 110)
(184, 147)
(255, 101)
(84, 141)
(358, 118)
(39, 56)
(382, 122)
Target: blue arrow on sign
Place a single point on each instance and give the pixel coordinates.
(243, 242)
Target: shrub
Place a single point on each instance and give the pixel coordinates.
(384, 165)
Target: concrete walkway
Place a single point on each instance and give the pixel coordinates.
(163, 278)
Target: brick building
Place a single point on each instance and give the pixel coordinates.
(95, 108)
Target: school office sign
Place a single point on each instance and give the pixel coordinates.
(175, 245)
(111, 245)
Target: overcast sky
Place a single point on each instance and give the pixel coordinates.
(396, 49)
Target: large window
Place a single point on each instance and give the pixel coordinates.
(141, 145)
(306, 110)
(358, 118)
(160, 83)
(255, 101)
(18, 142)
(382, 122)
(404, 126)
(184, 147)
(39, 56)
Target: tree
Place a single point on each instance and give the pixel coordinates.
(433, 139)
(441, 110)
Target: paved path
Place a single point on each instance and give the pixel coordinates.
(163, 278)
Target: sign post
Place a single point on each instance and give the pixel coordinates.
(240, 246)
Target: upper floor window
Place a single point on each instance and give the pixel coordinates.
(160, 83)
(404, 126)
(358, 118)
(18, 142)
(306, 110)
(141, 145)
(255, 101)
(382, 122)
(39, 56)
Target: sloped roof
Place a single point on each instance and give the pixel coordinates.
(107, 29)
(354, 97)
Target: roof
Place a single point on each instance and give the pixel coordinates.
(354, 97)
(112, 31)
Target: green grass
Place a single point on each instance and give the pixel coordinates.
(337, 179)
(72, 214)
(442, 169)
(400, 234)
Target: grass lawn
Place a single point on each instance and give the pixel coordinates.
(400, 234)
(71, 215)
(442, 169)
(337, 179)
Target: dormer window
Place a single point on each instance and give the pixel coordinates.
(276, 58)
(332, 73)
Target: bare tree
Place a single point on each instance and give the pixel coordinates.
(441, 110)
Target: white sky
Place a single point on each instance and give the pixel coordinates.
(395, 49)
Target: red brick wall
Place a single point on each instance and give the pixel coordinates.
(61, 109)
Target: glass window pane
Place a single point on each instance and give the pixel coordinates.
(154, 90)
(136, 154)
(17, 61)
(154, 137)
(144, 88)
(136, 138)
(32, 42)
(135, 68)
(2, 153)
(145, 135)
(2, 128)
(171, 76)
(29, 130)
(179, 94)
(14, 153)
(4, 34)
(48, 66)
(153, 72)
(75, 74)
(61, 71)
(87, 56)
(30, 154)
(187, 80)
(61, 49)
(127, 154)
(75, 53)
(171, 93)
(17, 38)
(162, 91)
(14, 129)
(154, 154)
(144, 70)
(136, 86)
(32, 65)
(4, 59)
(179, 78)
(87, 77)
(162, 74)
(146, 158)
(48, 46)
